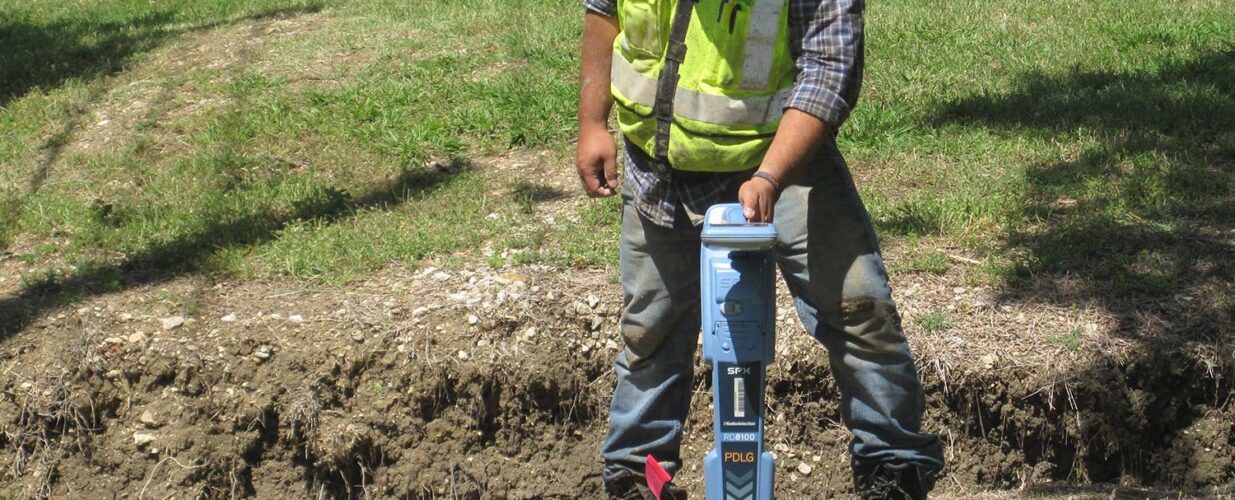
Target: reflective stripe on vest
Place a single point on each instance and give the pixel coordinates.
(760, 44)
(698, 106)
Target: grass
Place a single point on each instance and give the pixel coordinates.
(923, 259)
(1051, 139)
(1070, 341)
(1119, 110)
(934, 322)
(311, 181)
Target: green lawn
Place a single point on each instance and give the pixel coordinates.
(1051, 136)
(321, 179)
(1093, 139)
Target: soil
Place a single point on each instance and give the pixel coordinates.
(480, 382)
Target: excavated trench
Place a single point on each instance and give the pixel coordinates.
(437, 403)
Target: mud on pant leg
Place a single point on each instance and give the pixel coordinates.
(660, 328)
(830, 259)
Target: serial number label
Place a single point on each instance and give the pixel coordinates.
(748, 437)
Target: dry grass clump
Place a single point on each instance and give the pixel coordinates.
(53, 418)
(302, 415)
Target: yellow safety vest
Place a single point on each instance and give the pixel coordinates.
(733, 82)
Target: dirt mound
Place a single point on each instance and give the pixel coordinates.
(381, 388)
(477, 382)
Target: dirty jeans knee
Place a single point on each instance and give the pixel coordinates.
(660, 329)
(882, 399)
(829, 256)
(655, 375)
(649, 408)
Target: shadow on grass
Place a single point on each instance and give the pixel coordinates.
(45, 55)
(164, 262)
(528, 192)
(1141, 224)
(527, 195)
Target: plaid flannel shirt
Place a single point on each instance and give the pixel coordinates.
(826, 43)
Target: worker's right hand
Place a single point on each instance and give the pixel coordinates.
(596, 160)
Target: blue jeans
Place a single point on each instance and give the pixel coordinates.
(829, 256)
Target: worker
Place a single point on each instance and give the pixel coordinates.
(741, 100)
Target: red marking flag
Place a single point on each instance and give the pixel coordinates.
(656, 475)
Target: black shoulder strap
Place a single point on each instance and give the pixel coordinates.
(667, 85)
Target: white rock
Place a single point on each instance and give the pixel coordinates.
(472, 319)
(804, 468)
(148, 419)
(142, 438)
(441, 276)
(419, 310)
(229, 318)
(137, 337)
(172, 323)
(296, 318)
(462, 354)
(592, 301)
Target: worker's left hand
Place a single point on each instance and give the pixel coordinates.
(758, 198)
